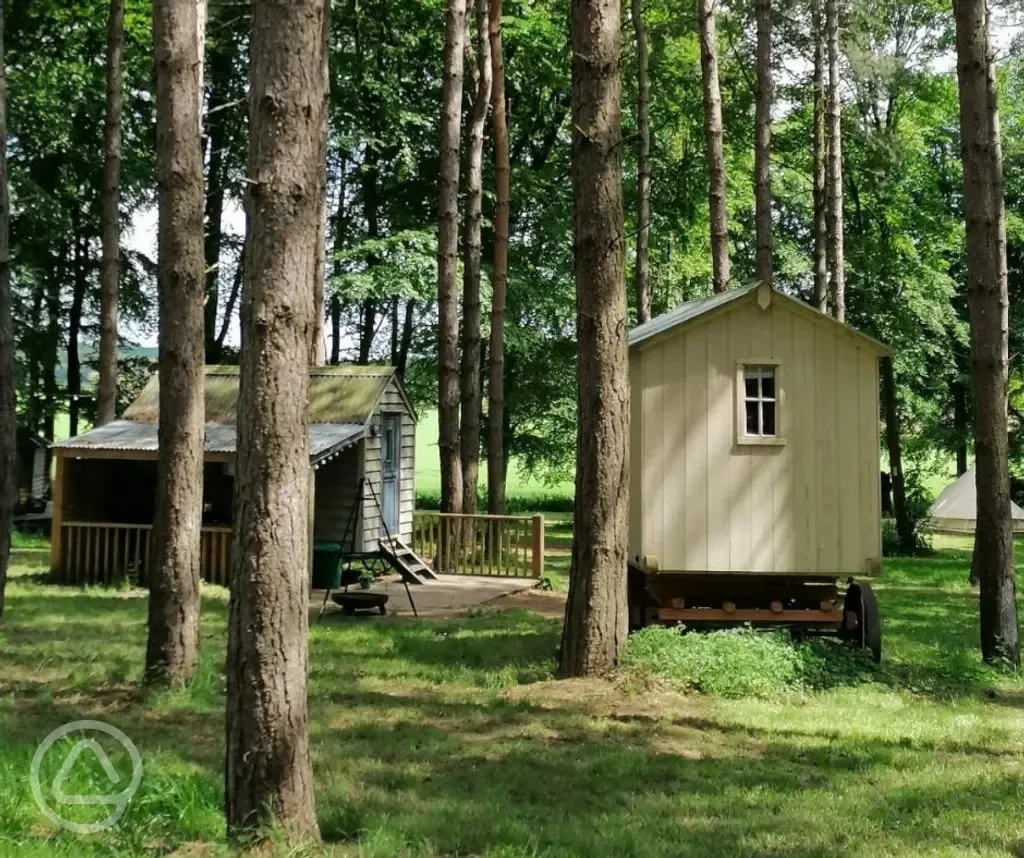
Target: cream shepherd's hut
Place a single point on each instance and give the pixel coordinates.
(755, 440)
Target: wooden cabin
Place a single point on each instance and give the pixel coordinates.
(755, 440)
(31, 477)
(362, 425)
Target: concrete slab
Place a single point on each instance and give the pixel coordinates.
(449, 596)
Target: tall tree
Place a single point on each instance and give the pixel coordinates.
(642, 275)
(763, 143)
(268, 776)
(819, 145)
(469, 434)
(111, 217)
(837, 259)
(890, 410)
(499, 277)
(7, 422)
(317, 350)
(985, 219)
(595, 613)
(448, 391)
(713, 144)
(173, 643)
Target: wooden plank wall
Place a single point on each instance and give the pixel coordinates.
(334, 498)
(391, 402)
(702, 502)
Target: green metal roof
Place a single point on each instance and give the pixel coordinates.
(337, 394)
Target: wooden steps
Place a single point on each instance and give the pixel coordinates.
(406, 562)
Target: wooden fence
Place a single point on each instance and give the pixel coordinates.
(105, 554)
(497, 545)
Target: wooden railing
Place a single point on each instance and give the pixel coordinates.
(499, 545)
(106, 554)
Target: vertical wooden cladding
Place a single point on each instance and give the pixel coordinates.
(702, 502)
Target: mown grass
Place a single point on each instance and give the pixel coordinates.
(452, 738)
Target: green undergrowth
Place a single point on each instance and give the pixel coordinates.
(745, 662)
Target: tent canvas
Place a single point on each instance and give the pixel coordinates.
(955, 510)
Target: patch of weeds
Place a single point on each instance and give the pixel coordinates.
(744, 662)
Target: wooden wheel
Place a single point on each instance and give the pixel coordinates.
(865, 631)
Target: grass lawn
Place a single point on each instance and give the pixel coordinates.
(451, 738)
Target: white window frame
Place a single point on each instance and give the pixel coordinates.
(742, 437)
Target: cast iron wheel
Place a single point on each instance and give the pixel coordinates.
(861, 602)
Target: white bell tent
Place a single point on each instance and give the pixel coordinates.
(956, 509)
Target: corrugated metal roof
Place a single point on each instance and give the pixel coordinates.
(337, 394)
(694, 309)
(129, 436)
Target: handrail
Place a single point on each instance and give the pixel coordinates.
(491, 545)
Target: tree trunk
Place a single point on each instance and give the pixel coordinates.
(837, 260)
(81, 281)
(268, 776)
(367, 328)
(335, 330)
(173, 643)
(8, 452)
(499, 277)
(229, 306)
(595, 614)
(713, 142)
(890, 404)
(317, 354)
(819, 194)
(469, 434)
(217, 123)
(111, 217)
(961, 425)
(763, 143)
(984, 212)
(406, 341)
(447, 260)
(395, 304)
(642, 275)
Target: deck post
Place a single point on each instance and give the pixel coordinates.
(57, 520)
(538, 546)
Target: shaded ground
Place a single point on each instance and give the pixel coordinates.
(451, 737)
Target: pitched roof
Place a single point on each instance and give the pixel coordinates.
(692, 310)
(959, 500)
(337, 394)
(128, 436)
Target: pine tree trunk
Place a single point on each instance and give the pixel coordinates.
(713, 143)
(229, 306)
(367, 328)
(469, 434)
(837, 259)
(405, 343)
(268, 776)
(961, 426)
(890, 405)
(74, 371)
(987, 277)
(447, 261)
(642, 275)
(7, 423)
(763, 143)
(317, 352)
(173, 643)
(219, 68)
(111, 216)
(595, 614)
(819, 144)
(499, 277)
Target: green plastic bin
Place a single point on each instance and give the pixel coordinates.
(326, 565)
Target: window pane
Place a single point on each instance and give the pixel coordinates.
(768, 382)
(752, 418)
(750, 383)
(768, 418)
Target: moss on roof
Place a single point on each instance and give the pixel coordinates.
(337, 394)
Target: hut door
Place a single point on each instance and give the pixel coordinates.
(390, 455)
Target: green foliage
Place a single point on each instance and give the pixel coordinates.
(744, 662)
(517, 504)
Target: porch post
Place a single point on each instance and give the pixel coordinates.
(57, 520)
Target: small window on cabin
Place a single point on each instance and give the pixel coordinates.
(760, 405)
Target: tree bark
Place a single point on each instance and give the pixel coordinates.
(642, 275)
(499, 277)
(713, 143)
(268, 776)
(837, 259)
(984, 212)
(961, 424)
(111, 216)
(317, 352)
(405, 343)
(81, 281)
(8, 452)
(763, 143)
(819, 195)
(367, 328)
(469, 434)
(447, 259)
(173, 643)
(229, 306)
(335, 330)
(890, 404)
(595, 614)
